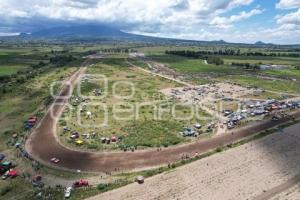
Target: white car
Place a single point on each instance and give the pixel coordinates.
(55, 160)
(198, 126)
(5, 175)
(68, 192)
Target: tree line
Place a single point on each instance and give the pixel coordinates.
(230, 52)
(247, 66)
(198, 55)
(35, 69)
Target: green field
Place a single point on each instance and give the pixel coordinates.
(187, 65)
(9, 70)
(141, 130)
(292, 73)
(283, 86)
(15, 107)
(262, 60)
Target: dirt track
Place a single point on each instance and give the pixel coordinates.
(42, 145)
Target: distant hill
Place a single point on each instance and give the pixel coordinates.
(80, 31)
(259, 43)
(219, 42)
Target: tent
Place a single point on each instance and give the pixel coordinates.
(79, 142)
(13, 173)
(88, 113)
(114, 138)
(32, 120)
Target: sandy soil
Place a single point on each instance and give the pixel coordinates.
(206, 95)
(292, 193)
(246, 172)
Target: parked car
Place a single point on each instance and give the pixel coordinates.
(230, 126)
(189, 132)
(140, 179)
(198, 126)
(80, 183)
(7, 165)
(5, 175)
(227, 112)
(68, 192)
(275, 118)
(75, 135)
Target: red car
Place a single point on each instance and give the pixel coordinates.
(81, 183)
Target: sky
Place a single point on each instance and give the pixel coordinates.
(274, 21)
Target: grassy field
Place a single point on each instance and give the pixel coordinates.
(142, 126)
(267, 95)
(200, 73)
(272, 85)
(9, 70)
(12, 60)
(15, 108)
(262, 60)
(292, 73)
(187, 65)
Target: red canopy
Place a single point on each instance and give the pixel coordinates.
(114, 138)
(13, 173)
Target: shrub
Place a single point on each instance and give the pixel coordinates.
(219, 149)
(5, 190)
(102, 186)
(92, 146)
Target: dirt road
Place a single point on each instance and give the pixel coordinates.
(259, 170)
(161, 75)
(43, 145)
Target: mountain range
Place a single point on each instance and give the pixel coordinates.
(107, 33)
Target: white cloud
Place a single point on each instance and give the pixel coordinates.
(189, 19)
(8, 34)
(226, 22)
(120, 10)
(288, 4)
(290, 18)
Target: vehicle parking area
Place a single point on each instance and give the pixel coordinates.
(230, 105)
(209, 94)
